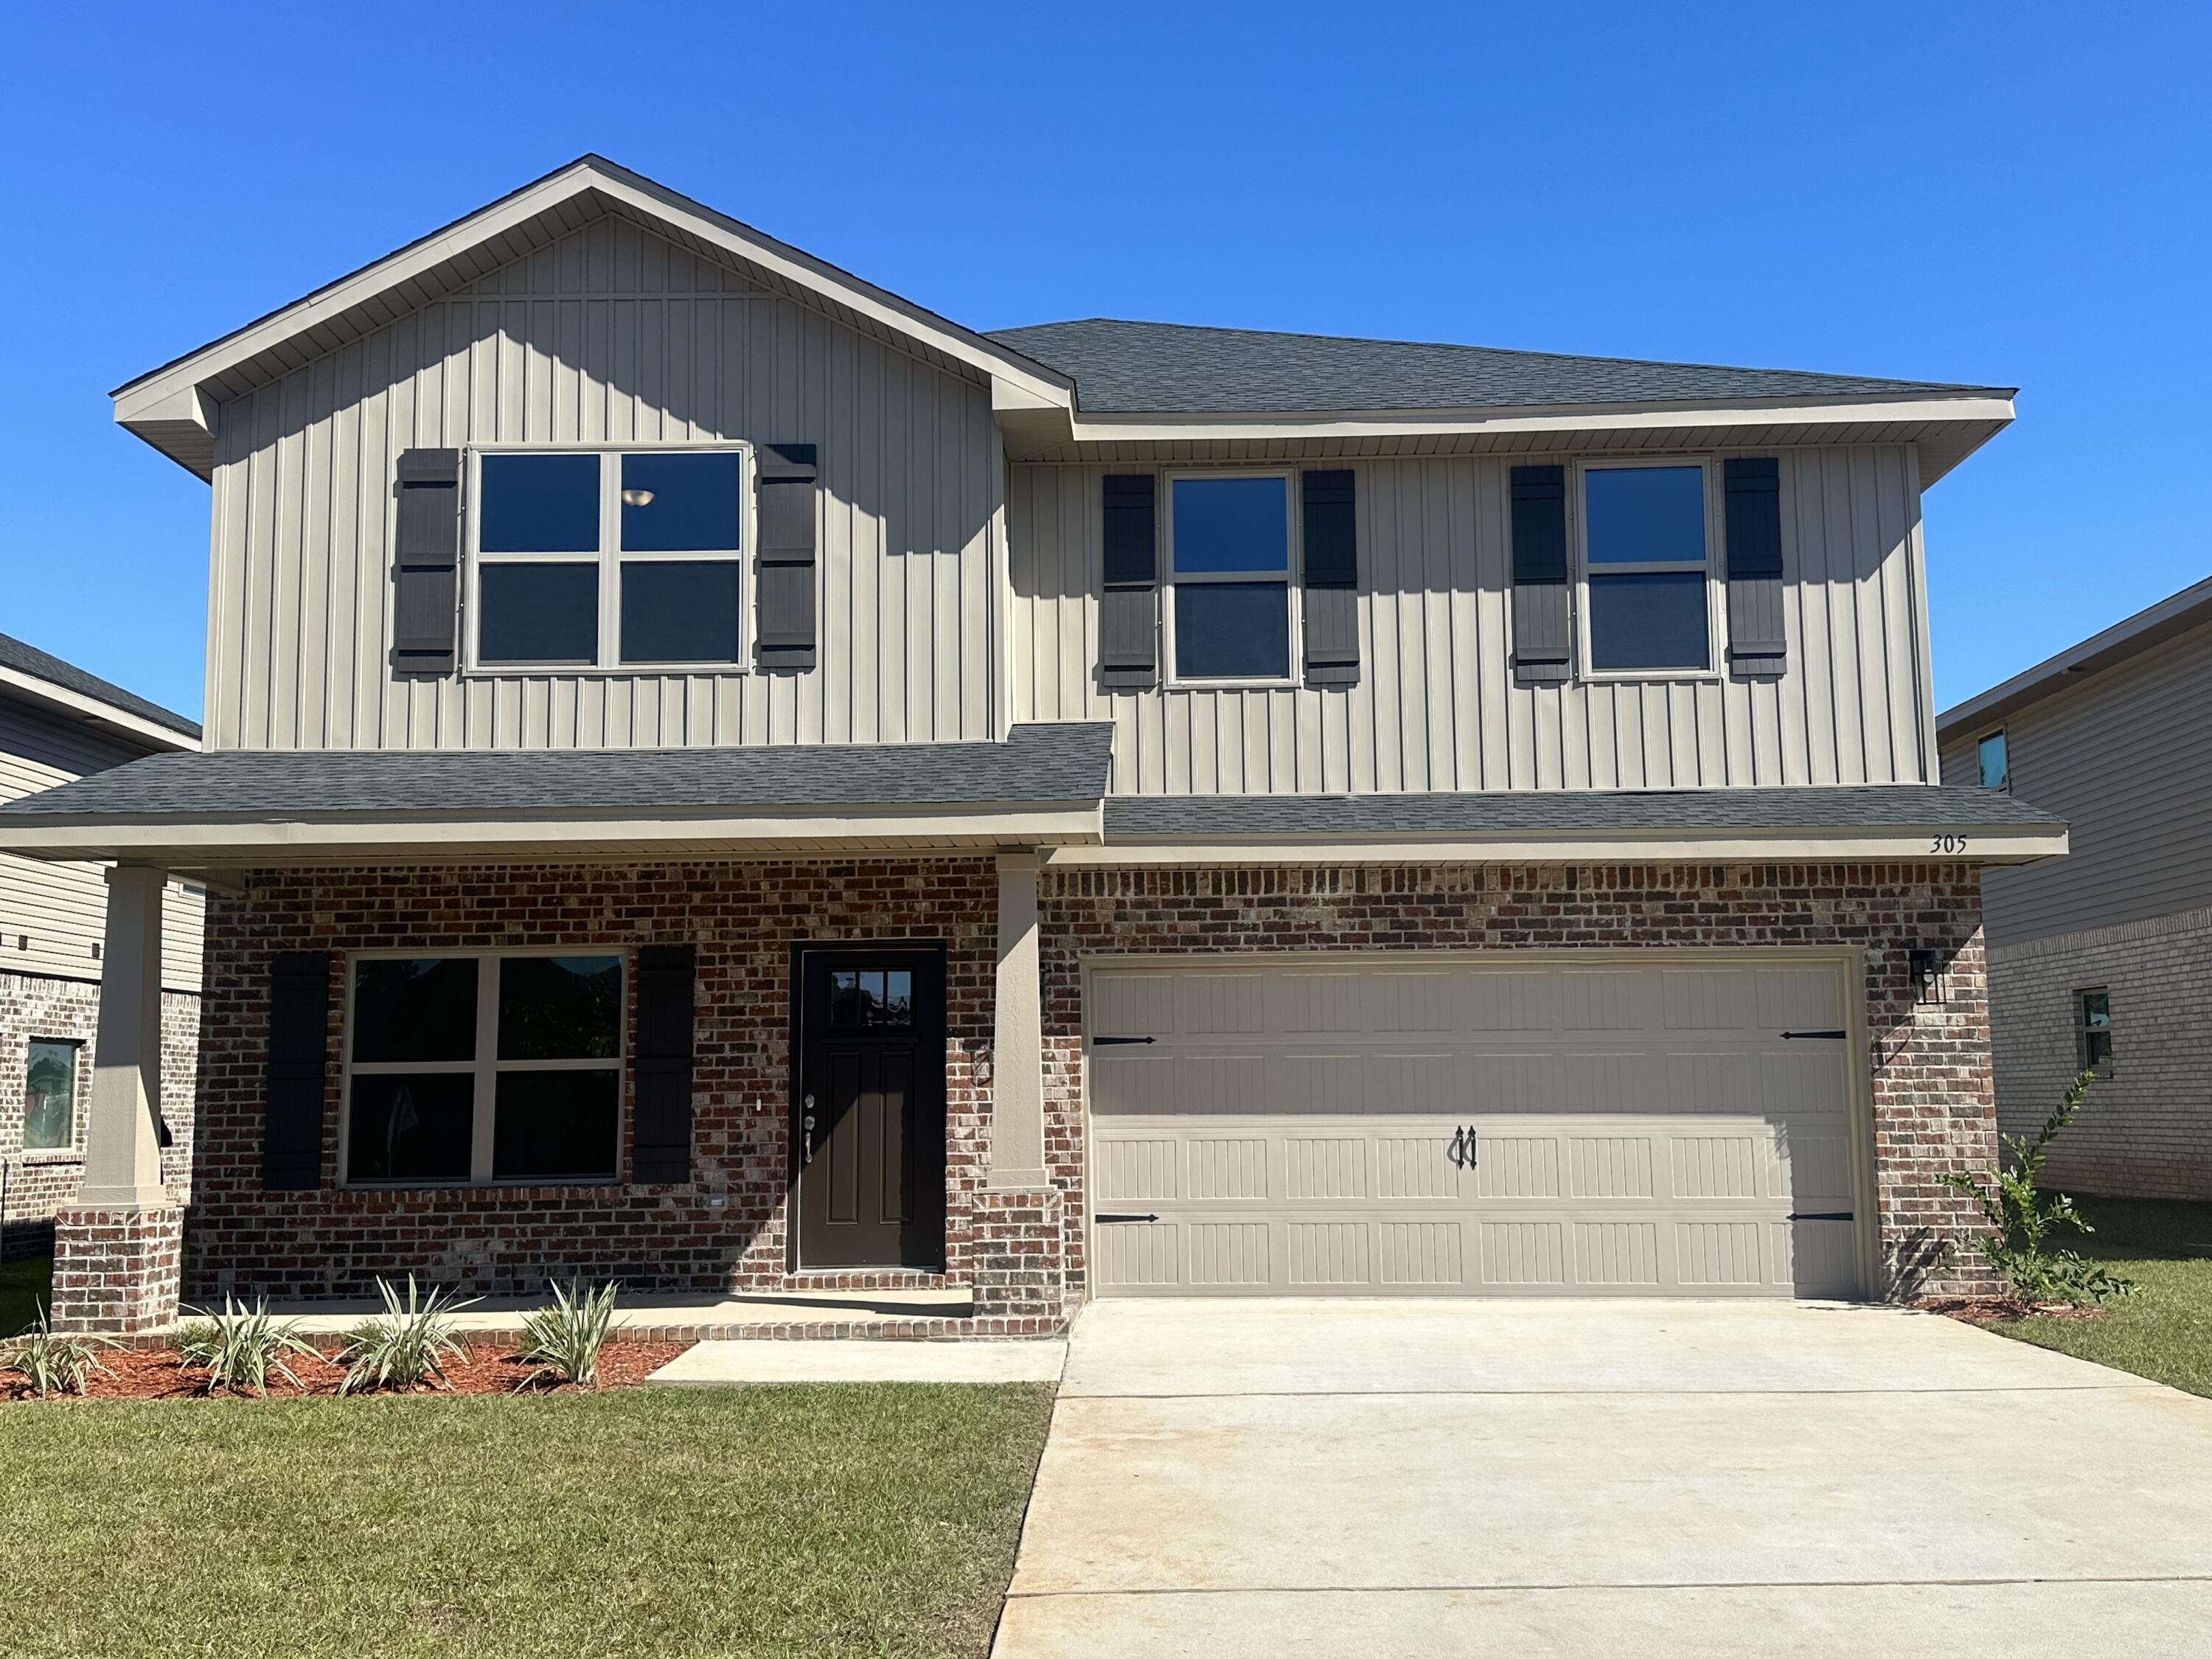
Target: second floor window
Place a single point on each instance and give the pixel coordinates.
(1228, 541)
(608, 559)
(1997, 770)
(1644, 569)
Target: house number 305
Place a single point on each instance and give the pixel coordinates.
(1948, 844)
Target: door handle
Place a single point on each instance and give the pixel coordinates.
(1459, 1138)
(807, 1124)
(1471, 1160)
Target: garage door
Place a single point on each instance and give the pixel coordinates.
(1583, 1126)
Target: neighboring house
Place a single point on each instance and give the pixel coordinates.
(2104, 962)
(57, 722)
(720, 777)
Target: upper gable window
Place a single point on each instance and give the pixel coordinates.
(1646, 569)
(609, 559)
(1229, 561)
(1997, 770)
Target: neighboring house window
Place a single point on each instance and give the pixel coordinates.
(483, 1069)
(1647, 599)
(1997, 772)
(609, 560)
(2096, 1015)
(49, 1096)
(1229, 561)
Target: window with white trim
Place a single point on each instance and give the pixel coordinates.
(483, 1067)
(1229, 576)
(609, 558)
(1647, 569)
(50, 1095)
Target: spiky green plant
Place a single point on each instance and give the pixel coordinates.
(51, 1361)
(242, 1347)
(566, 1338)
(2024, 1221)
(405, 1345)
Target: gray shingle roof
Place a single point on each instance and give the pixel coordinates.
(44, 665)
(1040, 763)
(1127, 368)
(1570, 811)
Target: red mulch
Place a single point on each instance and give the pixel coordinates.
(491, 1368)
(1990, 1310)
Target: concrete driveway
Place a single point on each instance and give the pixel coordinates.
(1358, 1480)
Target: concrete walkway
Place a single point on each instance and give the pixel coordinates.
(1647, 1480)
(715, 1364)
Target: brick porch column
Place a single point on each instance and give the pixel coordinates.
(116, 1247)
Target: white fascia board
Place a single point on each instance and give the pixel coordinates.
(1163, 428)
(202, 841)
(78, 705)
(142, 401)
(1995, 846)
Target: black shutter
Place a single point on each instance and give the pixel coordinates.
(1331, 573)
(1758, 647)
(1540, 575)
(660, 1065)
(299, 1060)
(1128, 611)
(784, 566)
(426, 560)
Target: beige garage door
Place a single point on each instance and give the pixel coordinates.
(1473, 1126)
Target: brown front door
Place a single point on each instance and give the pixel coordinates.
(870, 1133)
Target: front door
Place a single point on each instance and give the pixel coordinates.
(870, 1133)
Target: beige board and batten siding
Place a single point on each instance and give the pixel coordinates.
(2126, 759)
(1436, 706)
(609, 334)
(1590, 1125)
(54, 916)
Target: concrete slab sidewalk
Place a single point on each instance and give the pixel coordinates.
(720, 1364)
(1644, 1479)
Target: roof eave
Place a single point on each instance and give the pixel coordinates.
(81, 706)
(2149, 629)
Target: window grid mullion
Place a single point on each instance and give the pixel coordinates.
(481, 1128)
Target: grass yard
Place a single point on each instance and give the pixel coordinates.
(849, 1519)
(25, 1286)
(2163, 1330)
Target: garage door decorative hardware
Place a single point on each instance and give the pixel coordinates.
(1463, 1146)
(1836, 1035)
(1819, 1215)
(1100, 1042)
(1108, 1217)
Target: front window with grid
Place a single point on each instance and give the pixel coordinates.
(465, 1069)
(2093, 1013)
(609, 560)
(1646, 586)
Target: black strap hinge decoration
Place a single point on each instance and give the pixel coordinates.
(1837, 1035)
(1100, 1042)
(1819, 1215)
(1108, 1217)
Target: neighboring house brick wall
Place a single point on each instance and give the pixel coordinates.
(2146, 1130)
(39, 1182)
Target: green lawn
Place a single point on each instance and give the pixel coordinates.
(2165, 1329)
(24, 1288)
(853, 1520)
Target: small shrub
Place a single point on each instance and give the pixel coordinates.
(2024, 1220)
(51, 1361)
(566, 1337)
(406, 1344)
(242, 1347)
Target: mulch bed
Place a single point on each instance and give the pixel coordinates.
(1993, 1309)
(491, 1368)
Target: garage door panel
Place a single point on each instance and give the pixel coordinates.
(1132, 1004)
(1654, 1148)
(1799, 1000)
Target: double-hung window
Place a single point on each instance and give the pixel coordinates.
(479, 1068)
(1229, 565)
(609, 559)
(1647, 591)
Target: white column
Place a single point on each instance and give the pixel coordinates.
(122, 1153)
(1017, 1033)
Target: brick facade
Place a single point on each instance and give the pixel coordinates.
(38, 1183)
(2146, 1129)
(1022, 1253)
(117, 1270)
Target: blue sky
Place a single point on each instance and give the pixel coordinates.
(2011, 195)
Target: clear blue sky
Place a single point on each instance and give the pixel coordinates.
(2012, 195)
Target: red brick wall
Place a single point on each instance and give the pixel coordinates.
(40, 1183)
(743, 918)
(1933, 1103)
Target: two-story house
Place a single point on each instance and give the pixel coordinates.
(58, 722)
(2102, 961)
(720, 777)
